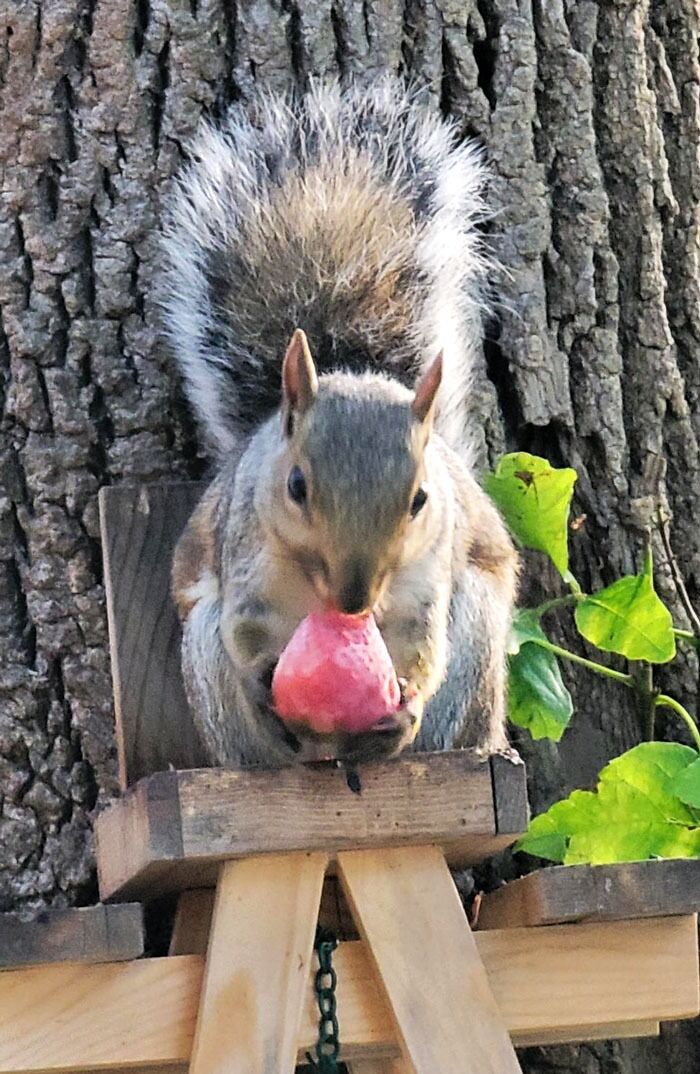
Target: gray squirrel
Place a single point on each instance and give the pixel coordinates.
(323, 284)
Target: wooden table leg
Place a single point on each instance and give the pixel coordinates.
(192, 922)
(406, 907)
(258, 964)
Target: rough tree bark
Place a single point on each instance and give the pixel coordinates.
(591, 114)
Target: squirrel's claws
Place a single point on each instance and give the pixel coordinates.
(387, 723)
(353, 780)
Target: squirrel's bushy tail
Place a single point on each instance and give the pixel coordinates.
(349, 213)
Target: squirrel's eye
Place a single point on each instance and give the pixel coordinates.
(418, 502)
(296, 485)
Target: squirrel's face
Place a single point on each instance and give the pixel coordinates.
(351, 497)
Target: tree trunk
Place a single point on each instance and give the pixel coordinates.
(591, 114)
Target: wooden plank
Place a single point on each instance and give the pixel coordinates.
(579, 959)
(572, 1034)
(409, 914)
(88, 934)
(75, 1018)
(215, 815)
(258, 964)
(509, 794)
(595, 893)
(192, 924)
(399, 1066)
(563, 983)
(140, 527)
(147, 835)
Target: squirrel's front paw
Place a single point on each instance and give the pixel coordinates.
(259, 692)
(388, 737)
(412, 705)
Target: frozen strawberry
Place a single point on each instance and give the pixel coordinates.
(335, 675)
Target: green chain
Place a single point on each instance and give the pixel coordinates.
(328, 1046)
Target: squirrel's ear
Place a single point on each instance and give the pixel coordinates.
(299, 379)
(423, 403)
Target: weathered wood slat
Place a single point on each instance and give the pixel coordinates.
(172, 830)
(87, 934)
(71, 1019)
(140, 527)
(509, 793)
(595, 892)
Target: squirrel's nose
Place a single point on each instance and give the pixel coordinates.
(354, 590)
(353, 602)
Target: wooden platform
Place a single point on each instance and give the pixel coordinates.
(628, 976)
(89, 934)
(172, 830)
(595, 893)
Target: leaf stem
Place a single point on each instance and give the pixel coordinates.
(647, 696)
(573, 585)
(556, 602)
(592, 665)
(687, 635)
(671, 703)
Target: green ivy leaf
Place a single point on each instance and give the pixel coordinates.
(687, 785)
(537, 697)
(629, 618)
(534, 499)
(524, 627)
(634, 814)
(543, 841)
